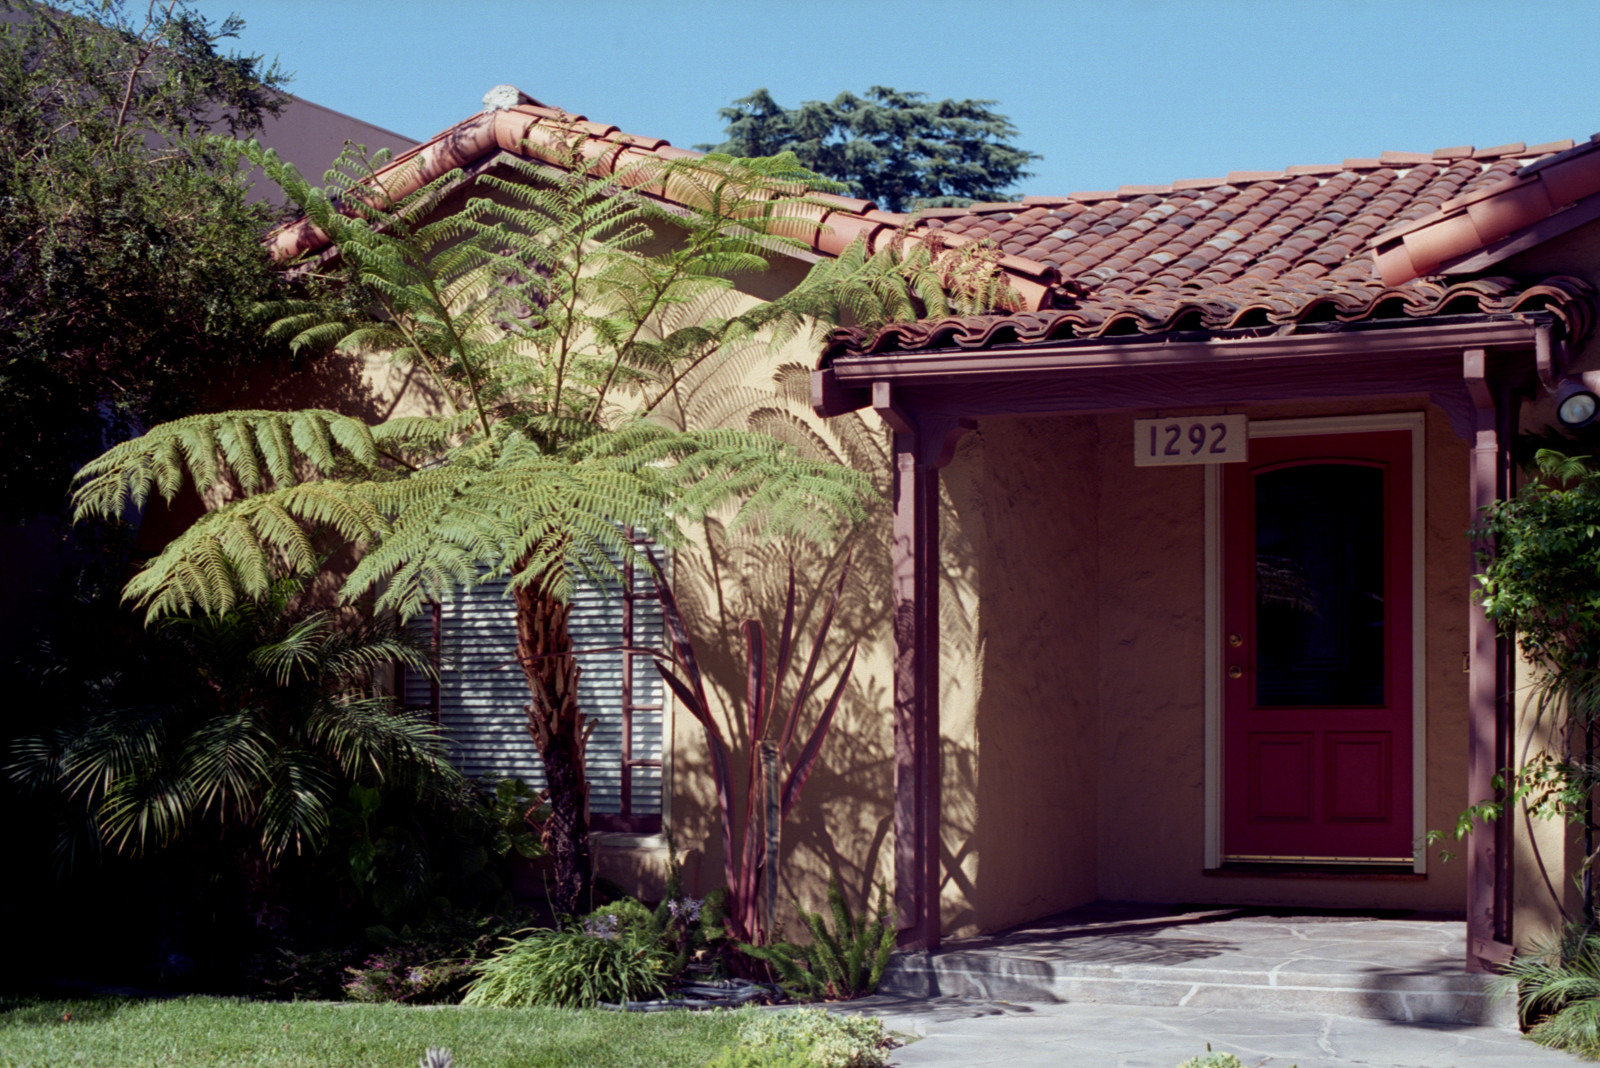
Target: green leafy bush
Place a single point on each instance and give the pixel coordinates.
(417, 856)
(846, 962)
(569, 969)
(387, 977)
(623, 917)
(1213, 1060)
(807, 1038)
(1557, 985)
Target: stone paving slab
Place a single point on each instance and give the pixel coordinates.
(1397, 969)
(966, 1033)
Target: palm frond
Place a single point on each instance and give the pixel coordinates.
(369, 739)
(226, 760)
(294, 805)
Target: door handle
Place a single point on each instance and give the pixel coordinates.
(1236, 672)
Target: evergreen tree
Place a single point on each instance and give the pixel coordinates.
(128, 257)
(556, 331)
(898, 149)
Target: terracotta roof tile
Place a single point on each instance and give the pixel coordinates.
(1263, 247)
(1512, 149)
(1257, 248)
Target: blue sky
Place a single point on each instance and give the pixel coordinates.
(1141, 91)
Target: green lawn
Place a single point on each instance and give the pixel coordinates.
(224, 1033)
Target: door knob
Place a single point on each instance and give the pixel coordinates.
(1236, 672)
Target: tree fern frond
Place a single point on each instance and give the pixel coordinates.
(206, 450)
(240, 548)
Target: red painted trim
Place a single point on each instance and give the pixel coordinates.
(437, 636)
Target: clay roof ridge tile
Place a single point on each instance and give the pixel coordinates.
(1249, 177)
(1394, 157)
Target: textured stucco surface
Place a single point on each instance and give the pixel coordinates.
(1153, 663)
(1025, 494)
(1089, 731)
(1073, 700)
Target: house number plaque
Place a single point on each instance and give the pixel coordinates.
(1191, 439)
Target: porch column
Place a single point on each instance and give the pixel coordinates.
(921, 446)
(1489, 849)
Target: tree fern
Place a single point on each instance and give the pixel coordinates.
(559, 314)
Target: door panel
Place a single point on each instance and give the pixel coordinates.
(1280, 777)
(1317, 704)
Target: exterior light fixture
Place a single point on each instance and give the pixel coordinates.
(1576, 404)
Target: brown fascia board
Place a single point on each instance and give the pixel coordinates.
(1469, 225)
(856, 372)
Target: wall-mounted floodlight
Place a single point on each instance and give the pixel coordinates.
(1576, 404)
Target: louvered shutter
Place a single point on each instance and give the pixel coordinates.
(482, 695)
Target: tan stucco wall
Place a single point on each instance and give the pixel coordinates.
(1545, 850)
(1543, 896)
(1090, 730)
(1024, 782)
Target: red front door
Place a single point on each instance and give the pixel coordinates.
(1317, 699)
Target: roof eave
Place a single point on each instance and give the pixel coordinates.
(845, 384)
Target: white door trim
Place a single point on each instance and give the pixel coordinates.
(1279, 428)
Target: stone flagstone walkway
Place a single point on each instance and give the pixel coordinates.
(1119, 986)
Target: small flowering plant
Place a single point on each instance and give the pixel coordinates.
(685, 909)
(602, 926)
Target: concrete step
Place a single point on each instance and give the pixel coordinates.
(1270, 966)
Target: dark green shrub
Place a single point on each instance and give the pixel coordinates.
(807, 1038)
(420, 856)
(626, 917)
(846, 962)
(569, 969)
(422, 964)
(388, 977)
(294, 975)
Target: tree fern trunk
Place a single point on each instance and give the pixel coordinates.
(544, 647)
